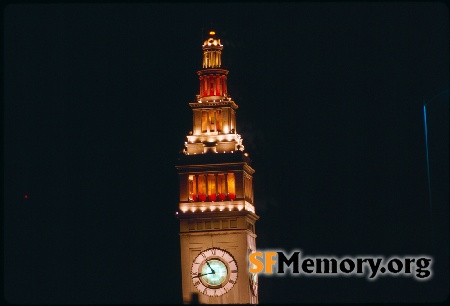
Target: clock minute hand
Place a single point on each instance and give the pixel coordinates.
(200, 275)
(213, 272)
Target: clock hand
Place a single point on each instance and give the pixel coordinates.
(200, 275)
(213, 272)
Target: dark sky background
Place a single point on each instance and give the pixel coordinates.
(330, 102)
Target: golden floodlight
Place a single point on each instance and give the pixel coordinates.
(212, 33)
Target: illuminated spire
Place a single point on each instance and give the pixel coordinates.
(214, 112)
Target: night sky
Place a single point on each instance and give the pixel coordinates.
(330, 109)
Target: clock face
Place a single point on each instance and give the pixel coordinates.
(214, 272)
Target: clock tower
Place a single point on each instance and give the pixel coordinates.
(216, 210)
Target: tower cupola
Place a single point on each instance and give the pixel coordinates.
(212, 51)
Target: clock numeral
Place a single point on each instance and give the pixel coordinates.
(232, 281)
(205, 291)
(197, 283)
(204, 256)
(231, 261)
(213, 251)
(234, 271)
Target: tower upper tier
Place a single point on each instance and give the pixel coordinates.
(213, 79)
(214, 112)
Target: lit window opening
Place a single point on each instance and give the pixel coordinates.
(211, 187)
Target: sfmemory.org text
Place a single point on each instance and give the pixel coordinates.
(371, 266)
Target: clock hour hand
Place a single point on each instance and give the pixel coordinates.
(212, 270)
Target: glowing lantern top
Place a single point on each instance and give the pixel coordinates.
(212, 51)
